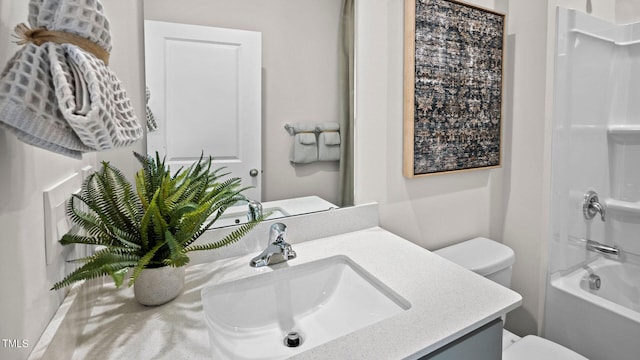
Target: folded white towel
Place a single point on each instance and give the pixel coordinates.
(60, 97)
(328, 142)
(304, 148)
(328, 126)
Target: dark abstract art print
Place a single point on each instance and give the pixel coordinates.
(453, 87)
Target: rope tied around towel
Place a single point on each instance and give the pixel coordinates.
(39, 36)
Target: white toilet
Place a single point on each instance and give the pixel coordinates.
(494, 261)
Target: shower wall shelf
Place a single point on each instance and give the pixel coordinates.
(624, 132)
(619, 206)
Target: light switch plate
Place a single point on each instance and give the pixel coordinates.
(81, 250)
(86, 171)
(55, 218)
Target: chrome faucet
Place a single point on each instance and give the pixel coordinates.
(591, 206)
(277, 251)
(255, 210)
(595, 246)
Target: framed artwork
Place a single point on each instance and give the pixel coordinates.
(454, 54)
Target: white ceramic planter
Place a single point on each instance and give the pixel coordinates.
(159, 285)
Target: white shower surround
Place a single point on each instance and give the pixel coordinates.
(596, 146)
(596, 136)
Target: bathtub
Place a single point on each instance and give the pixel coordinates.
(602, 324)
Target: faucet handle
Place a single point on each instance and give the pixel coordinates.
(287, 252)
(591, 206)
(277, 232)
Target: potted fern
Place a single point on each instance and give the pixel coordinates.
(152, 230)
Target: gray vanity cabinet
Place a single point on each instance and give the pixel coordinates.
(484, 343)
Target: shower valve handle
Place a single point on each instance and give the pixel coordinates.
(591, 206)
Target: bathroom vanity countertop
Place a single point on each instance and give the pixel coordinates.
(447, 302)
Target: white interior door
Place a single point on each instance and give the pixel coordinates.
(205, 86)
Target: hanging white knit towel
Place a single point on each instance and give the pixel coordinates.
(59, 96)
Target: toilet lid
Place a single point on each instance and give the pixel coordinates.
(536, 348)
(480, 255)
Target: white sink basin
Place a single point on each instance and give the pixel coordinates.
(320, 300)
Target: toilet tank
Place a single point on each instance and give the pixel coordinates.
(483, 256)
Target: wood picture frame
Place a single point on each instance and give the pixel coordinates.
(453, 87)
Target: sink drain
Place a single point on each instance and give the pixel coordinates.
(594, 282)
(292, 339)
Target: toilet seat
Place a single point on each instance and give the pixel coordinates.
(536, 348)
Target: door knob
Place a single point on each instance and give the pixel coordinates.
(253, 172)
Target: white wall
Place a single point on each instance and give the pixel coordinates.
(432, 211)
(26, 304)
(527, 193)
(627, 11)
(436, 211)
(300, 65)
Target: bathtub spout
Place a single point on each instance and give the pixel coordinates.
(611, 251)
